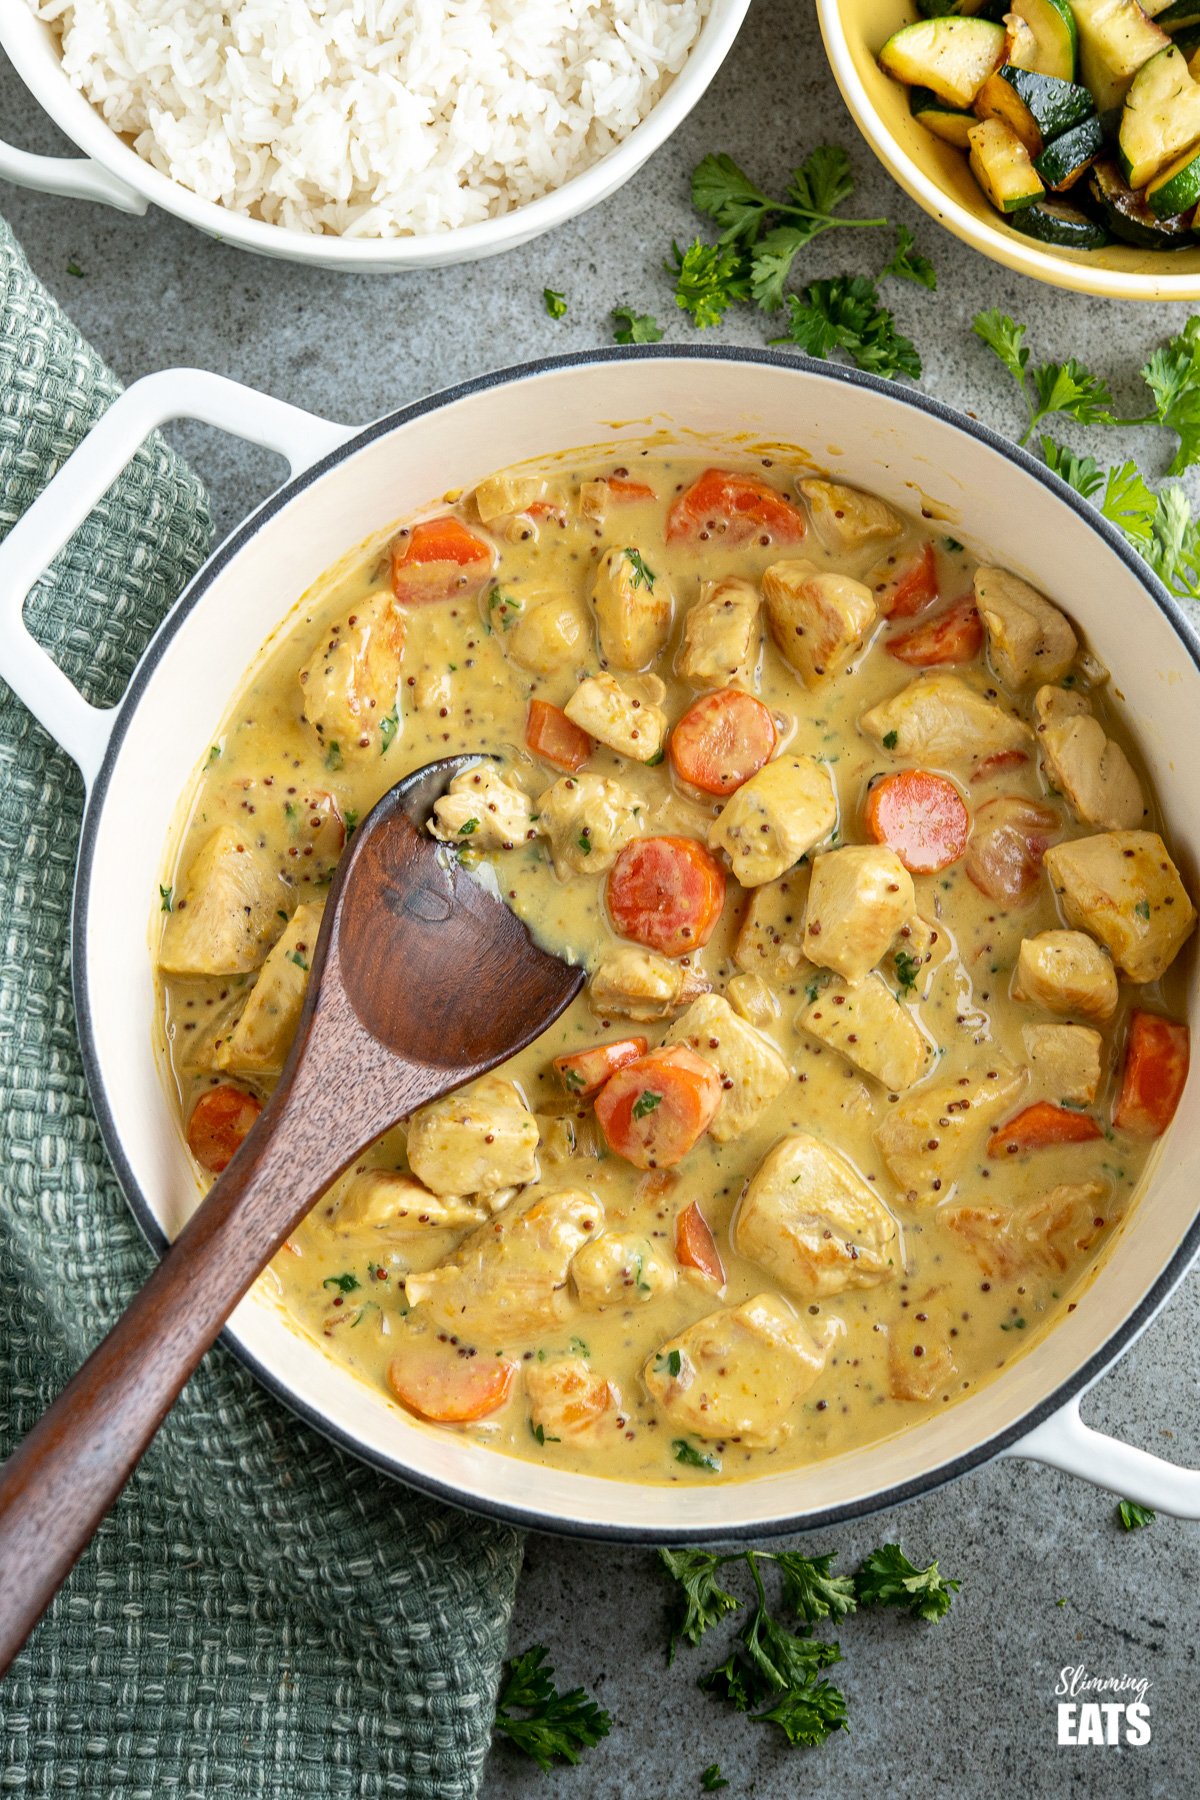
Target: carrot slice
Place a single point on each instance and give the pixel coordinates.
(1040, 1126)
(584, 1072)
(912, 588)
(666, 893)
(655, 1109)
(219, 1124)
(1155, 1072)
(725, 504)
(450, 1389)
(621, 488)
(921, 816)
(695, 1245)
(555, 738)
(952, 636)
(1010, 838)
(997, 762)
(439, 559)
(722, 740)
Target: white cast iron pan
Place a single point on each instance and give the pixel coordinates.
(346, 485)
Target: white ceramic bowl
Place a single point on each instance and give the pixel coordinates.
(114, 173)
(139, 758)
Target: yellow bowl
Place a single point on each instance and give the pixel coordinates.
(938, 178)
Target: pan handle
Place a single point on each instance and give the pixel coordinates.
(65, 502)
(1065, 1442)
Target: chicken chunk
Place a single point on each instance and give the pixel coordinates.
(774, 818)
(227, 916)
(751, 1069)
(752, 999)
(627, 716)
(858, 899)
(588, 820)
(817, 618)
(846, 519)
(482, 1138)
(925, 1139)
(633, 607)
(741, 1372)
(1084, 763)
(1028, 638)
(571, 1403)
(770, 939)
(620, 1269)
(1044, 1236)
(871, 1029)
(484, 808)
(350, 684)
(389, 1203)
(501, 495)
(814, 1224)
(1066, 972)
(508, 1281)
(262, 1037)
(1123, 887)
(1064, 1061)
(720, 633)
(939, 718)
(551, 635)
(641, 984)
(920, 1357)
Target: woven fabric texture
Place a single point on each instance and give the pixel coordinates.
(261, 1615)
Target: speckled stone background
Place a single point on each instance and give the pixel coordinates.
(967, 1708)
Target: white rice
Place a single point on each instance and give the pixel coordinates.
(373, 118)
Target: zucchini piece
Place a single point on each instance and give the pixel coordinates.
(1179, 12)
(1057, 222)
(1115, 39)
(1001, 165)
(937, 9)
(1069, 157)
(944, 121)
(1187, 39)
(1176, 188)
(1020, 45)
(952, 56)
(1053, 26)
(1129, 218)
(1038, 108)
(1161, 117)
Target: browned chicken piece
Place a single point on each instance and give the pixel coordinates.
(1065, 1061)
(816, 618)
(508, 1281)
(485, 808)
(501, 495)
(260, 1041)
(872, 1029)
(1029, 639)
(390, 1203)
(572, 1403)
(621, 1269)
(752, 1072)
(814, 1224)
(225, 917)
(626, 716)
(642, 985)
(1123, 887)
(1066, 972)
(551, 635)
(1044, 1236)
(633, 606)
(925, 1138)
(588, 821)
(720, 633)
(350, 684)
(774, 818)
(481, 1138)
(741, 1372)
(770, 939)
(1084, 763)
(940, 718)
(858, 900)
(753, 1000)
(845, 519)
(920, 1357)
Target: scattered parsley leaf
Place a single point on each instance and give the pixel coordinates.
(388, 727)
(73, 268)
(1083, 473)
(345, 1284)
(711, 1779)
(467, 829)
(709, 278)
(166, 897)
(703, 1602)
(294, 956)
(538, 1434)
(670, 1364)
(808, 1714)
(1070, 388)
(214, 754)
(890, 739)
(556, 304)
(556, 1726)
(772, 264)
(1133, 1516)
(1005, 338)
(811, 1591)
(1173, 376)
(906, 970)
(584, 843)
(887, 1578)
(1142, 909)
(845, 314)
(350, 819)
(691, 1458)
(724, 192)
(635, 328)
(333, 756)
(642, 576)
(822, 182)
(646, 1103)
(907, 263)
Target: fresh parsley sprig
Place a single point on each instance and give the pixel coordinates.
(551, 1727)
(887, 1578)
(845, 313)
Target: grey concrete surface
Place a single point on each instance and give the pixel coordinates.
(966, 1708)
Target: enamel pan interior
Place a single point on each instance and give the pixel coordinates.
(907, 448)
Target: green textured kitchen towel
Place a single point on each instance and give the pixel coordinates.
(261, 1615)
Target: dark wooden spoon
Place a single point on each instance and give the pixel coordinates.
(420, 981)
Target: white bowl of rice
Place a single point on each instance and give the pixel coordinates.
(360, 134)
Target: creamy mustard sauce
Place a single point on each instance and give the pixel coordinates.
(939, 1324)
